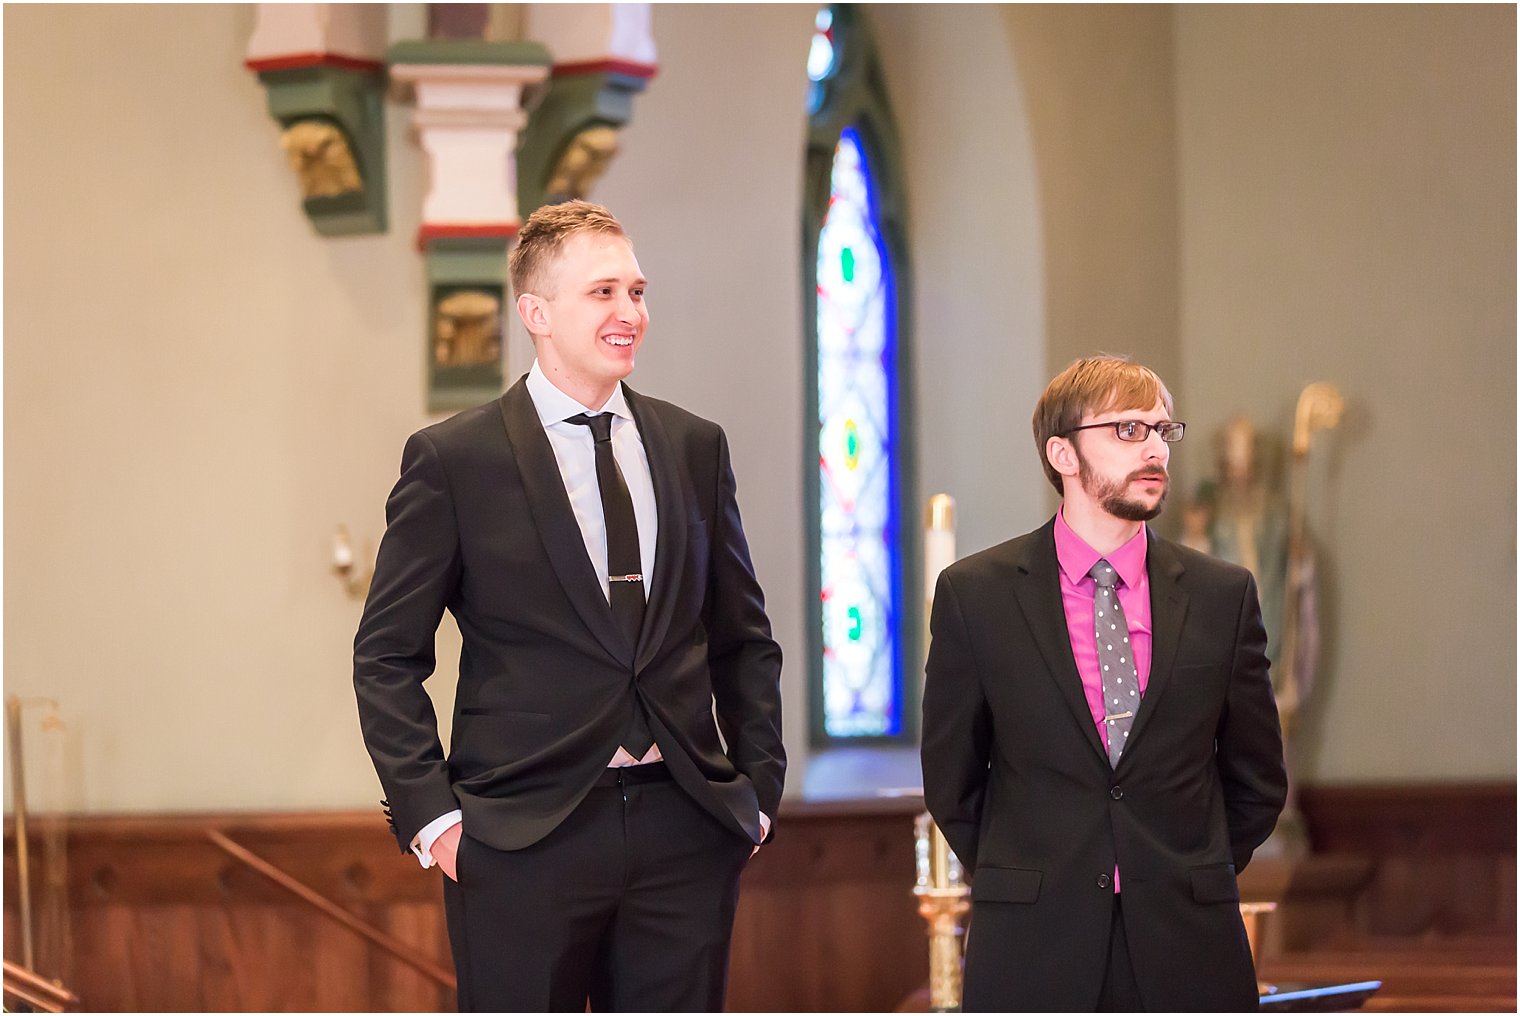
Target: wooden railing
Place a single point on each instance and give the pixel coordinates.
(388, 944)
(35, 992)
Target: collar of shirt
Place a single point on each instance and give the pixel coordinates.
(554, 406)
(1077, 557)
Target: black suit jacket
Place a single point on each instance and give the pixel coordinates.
(1017, 778)
(480, 524)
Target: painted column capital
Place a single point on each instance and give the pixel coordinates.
(595, 38)
(322, 67)
(469, 112)
(285, 36)
(604, 55)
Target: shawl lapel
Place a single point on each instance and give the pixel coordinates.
(555, 520)
(670, 547)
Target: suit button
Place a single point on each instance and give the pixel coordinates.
(1104, 881)
(1116, 793)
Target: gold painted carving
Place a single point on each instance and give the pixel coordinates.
(585, 159)
(467, 329)
(322, 159)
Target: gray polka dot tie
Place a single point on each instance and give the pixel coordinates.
(1121, 684)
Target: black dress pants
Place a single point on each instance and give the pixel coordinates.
(628, 904)
(1120, 993)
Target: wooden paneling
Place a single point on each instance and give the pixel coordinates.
(162, 919)
(827, 919)
(1463, 974)
(1442, 856)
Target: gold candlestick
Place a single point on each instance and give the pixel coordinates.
(943, 901)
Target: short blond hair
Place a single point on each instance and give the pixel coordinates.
(543, 236)
(1092, 385)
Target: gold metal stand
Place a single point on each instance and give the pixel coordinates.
(943, 901)
(943, 896)
(23, 849)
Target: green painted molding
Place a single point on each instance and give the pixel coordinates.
(353, 102)
(455, 265)
(468, 51)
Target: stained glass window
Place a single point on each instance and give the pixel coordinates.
(821, 60)
(859, 552)
(821, 53)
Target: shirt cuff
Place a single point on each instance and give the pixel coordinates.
(765, 825)
(422, 843)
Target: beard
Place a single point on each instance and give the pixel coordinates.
(1112, 495)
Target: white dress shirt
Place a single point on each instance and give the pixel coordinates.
(575, 453)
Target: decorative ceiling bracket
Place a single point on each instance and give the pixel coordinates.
(469, 98)
(323, 68)
(603, 56)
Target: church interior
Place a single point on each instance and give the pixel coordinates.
(1301, 216)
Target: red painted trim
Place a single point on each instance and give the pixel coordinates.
(295, 60)
(636, 70)
(429, 232)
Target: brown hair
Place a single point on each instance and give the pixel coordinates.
(543, 236)
(1092, 385)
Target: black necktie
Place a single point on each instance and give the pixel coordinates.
(624, 572)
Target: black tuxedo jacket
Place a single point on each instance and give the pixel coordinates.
(1017, 778)
(479, 524)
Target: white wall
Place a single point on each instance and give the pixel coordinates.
(978, 262)
(1348, 215)
(198, 389)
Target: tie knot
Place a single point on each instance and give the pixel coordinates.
(1104, 575)
(600, 424)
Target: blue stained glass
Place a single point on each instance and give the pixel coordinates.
(861, 689)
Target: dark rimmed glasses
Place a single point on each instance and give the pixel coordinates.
(1137, 430)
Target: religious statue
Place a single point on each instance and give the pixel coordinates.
(1241, 516)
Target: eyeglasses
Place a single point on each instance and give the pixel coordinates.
(1137, 430)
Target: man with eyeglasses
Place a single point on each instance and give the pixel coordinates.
(1101, 746)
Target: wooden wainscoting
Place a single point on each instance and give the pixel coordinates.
(1413, 886)
(1442, 856)
(162, 919)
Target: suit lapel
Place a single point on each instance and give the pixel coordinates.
(555, 520)
(670, 546)
(1039, 594)
(1168, 611)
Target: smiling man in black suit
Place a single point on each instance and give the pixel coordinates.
(1101, 746)
(616, 753)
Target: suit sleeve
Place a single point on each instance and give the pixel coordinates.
(1249, 740)
(415, 575)
(743, 659)
(957, 728)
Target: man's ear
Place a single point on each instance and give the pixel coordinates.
(534, 311)
(1062, 456)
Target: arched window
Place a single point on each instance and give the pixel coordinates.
(863, 537)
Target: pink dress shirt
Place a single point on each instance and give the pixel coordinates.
(1077, 587)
